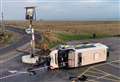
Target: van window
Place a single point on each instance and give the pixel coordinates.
(79, 59)
(56, 59)
(84, 46)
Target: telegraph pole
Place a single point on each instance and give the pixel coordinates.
(2, 24)
(2, 20)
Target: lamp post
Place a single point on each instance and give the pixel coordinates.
(31, 15)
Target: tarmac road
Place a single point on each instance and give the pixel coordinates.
(103, 72)
(25, 39)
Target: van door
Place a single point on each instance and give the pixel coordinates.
(63, 58)
(71, 59)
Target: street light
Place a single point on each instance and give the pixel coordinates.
(31, 15)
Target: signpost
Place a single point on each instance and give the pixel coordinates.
(29, 31)
(30, 15)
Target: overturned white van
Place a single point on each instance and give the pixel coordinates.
(72, 56)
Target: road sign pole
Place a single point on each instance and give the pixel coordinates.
(33, 44)
(30, 13)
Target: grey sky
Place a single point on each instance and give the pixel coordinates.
(63, 9)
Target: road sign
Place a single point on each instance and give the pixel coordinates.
(30, 12)
(28, 31)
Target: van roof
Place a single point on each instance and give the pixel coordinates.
(82, 46)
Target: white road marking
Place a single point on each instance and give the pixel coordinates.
(116, 66)
(96, 72)
(18, 73)
(10, 76)
(100, 70)
(15, 72)
(111, 79)
(92, 75)
(102, 76)
(85, 71)
(41, 68)
(107, 73)
(106, 63)
(3, 61)
(91, 80)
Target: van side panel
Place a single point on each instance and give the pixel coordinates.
(94, 56)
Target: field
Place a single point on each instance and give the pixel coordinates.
(75, 27)
(60, 31)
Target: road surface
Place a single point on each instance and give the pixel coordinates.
(25, 39)
(11, 49)
(103, 72)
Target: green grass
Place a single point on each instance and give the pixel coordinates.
(69, 37)
(51, 45)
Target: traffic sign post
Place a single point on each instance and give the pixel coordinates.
(30, 13)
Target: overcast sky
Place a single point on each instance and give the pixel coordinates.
(63, 9)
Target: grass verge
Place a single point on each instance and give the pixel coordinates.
(64, 37)
(69, 37)
(8, 38)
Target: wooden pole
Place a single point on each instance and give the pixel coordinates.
(2, 24)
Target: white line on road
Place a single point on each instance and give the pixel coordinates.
(8, 59)
(102, 76)
(10, 76)
(107, 73)
(91, 75)
(93, 67)
(18, 73)
(113, 65)
(105, 63)
(21, 72)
